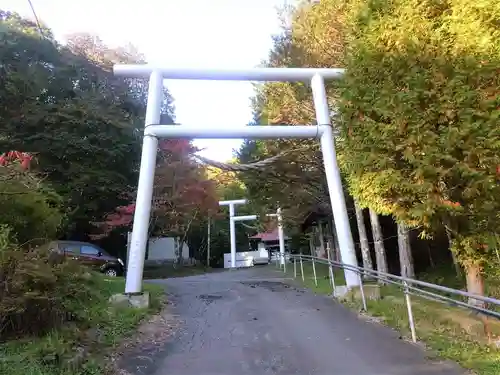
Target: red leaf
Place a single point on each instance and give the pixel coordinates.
(12, 156)
(25, 164)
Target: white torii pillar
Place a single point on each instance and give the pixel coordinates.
(154, 130)
(281, 235)
(232, 219)
(233, 248)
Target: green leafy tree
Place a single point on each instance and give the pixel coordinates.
(297, 179)
(63, 104)
(419, 111)
(228, 187)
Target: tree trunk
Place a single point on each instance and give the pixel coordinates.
(176, 251)
(405, 256)
(178, 243)
(180, 256)
(329, 242)
(321, 240)
(431, 260)
(363, 238)
(475, 285)
(458, 270)
(335, 243)
(311, 243)
(378, 240)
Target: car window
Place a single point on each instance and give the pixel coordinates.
(70, 248)
(89, 250)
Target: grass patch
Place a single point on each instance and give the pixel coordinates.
(450, 332)
(322, 284)
(166, 271)
(79, 348)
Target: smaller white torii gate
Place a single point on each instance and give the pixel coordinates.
(232, 230)
(232, 219)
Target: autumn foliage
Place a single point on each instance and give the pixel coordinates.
(182, 193)
(11, 157)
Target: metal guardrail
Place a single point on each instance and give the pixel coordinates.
(409, 287)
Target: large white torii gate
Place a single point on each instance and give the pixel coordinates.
(154, 130)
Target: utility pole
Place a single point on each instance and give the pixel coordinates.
(208, 243)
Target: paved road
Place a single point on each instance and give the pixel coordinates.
(250, 322)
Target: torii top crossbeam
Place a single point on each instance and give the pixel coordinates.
(257, 74)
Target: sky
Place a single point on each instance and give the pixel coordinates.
(179, 33)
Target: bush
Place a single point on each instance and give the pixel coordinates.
(29, 206)
(37, 291)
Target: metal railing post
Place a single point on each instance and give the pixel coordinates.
(330, 266)
(362, 291)
(411, 321)
(409, 286)
(314, 271)
(295, 267)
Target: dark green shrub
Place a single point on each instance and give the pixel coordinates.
(38, 292)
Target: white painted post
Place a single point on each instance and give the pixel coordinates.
(281, 237)
(208, 241)
(321, 237)
(135, 262)
(232, 235)
(332, 172)
(244, 218)
(330, 267)
(301, 267)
